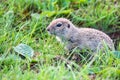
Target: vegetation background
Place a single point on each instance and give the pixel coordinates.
(25, 21)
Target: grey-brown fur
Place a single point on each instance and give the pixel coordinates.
(79, 37)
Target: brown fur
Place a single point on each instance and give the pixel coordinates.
(79, 37)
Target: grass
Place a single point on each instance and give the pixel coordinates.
(25, 21)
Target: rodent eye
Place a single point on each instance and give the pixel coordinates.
(59, 24)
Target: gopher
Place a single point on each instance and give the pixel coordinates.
(80, 38)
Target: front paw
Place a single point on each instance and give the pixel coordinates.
(68, 47)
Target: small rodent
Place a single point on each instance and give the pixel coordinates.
(82, 38)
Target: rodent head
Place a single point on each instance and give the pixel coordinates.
(59, 27)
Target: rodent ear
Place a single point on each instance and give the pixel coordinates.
(68, 26)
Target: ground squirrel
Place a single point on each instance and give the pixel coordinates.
(82, 38)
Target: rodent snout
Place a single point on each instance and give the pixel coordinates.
(48, 29)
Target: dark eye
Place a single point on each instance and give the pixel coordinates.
(59, 24)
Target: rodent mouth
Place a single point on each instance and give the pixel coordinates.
(52, 33)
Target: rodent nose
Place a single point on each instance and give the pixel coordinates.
(48, 29)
